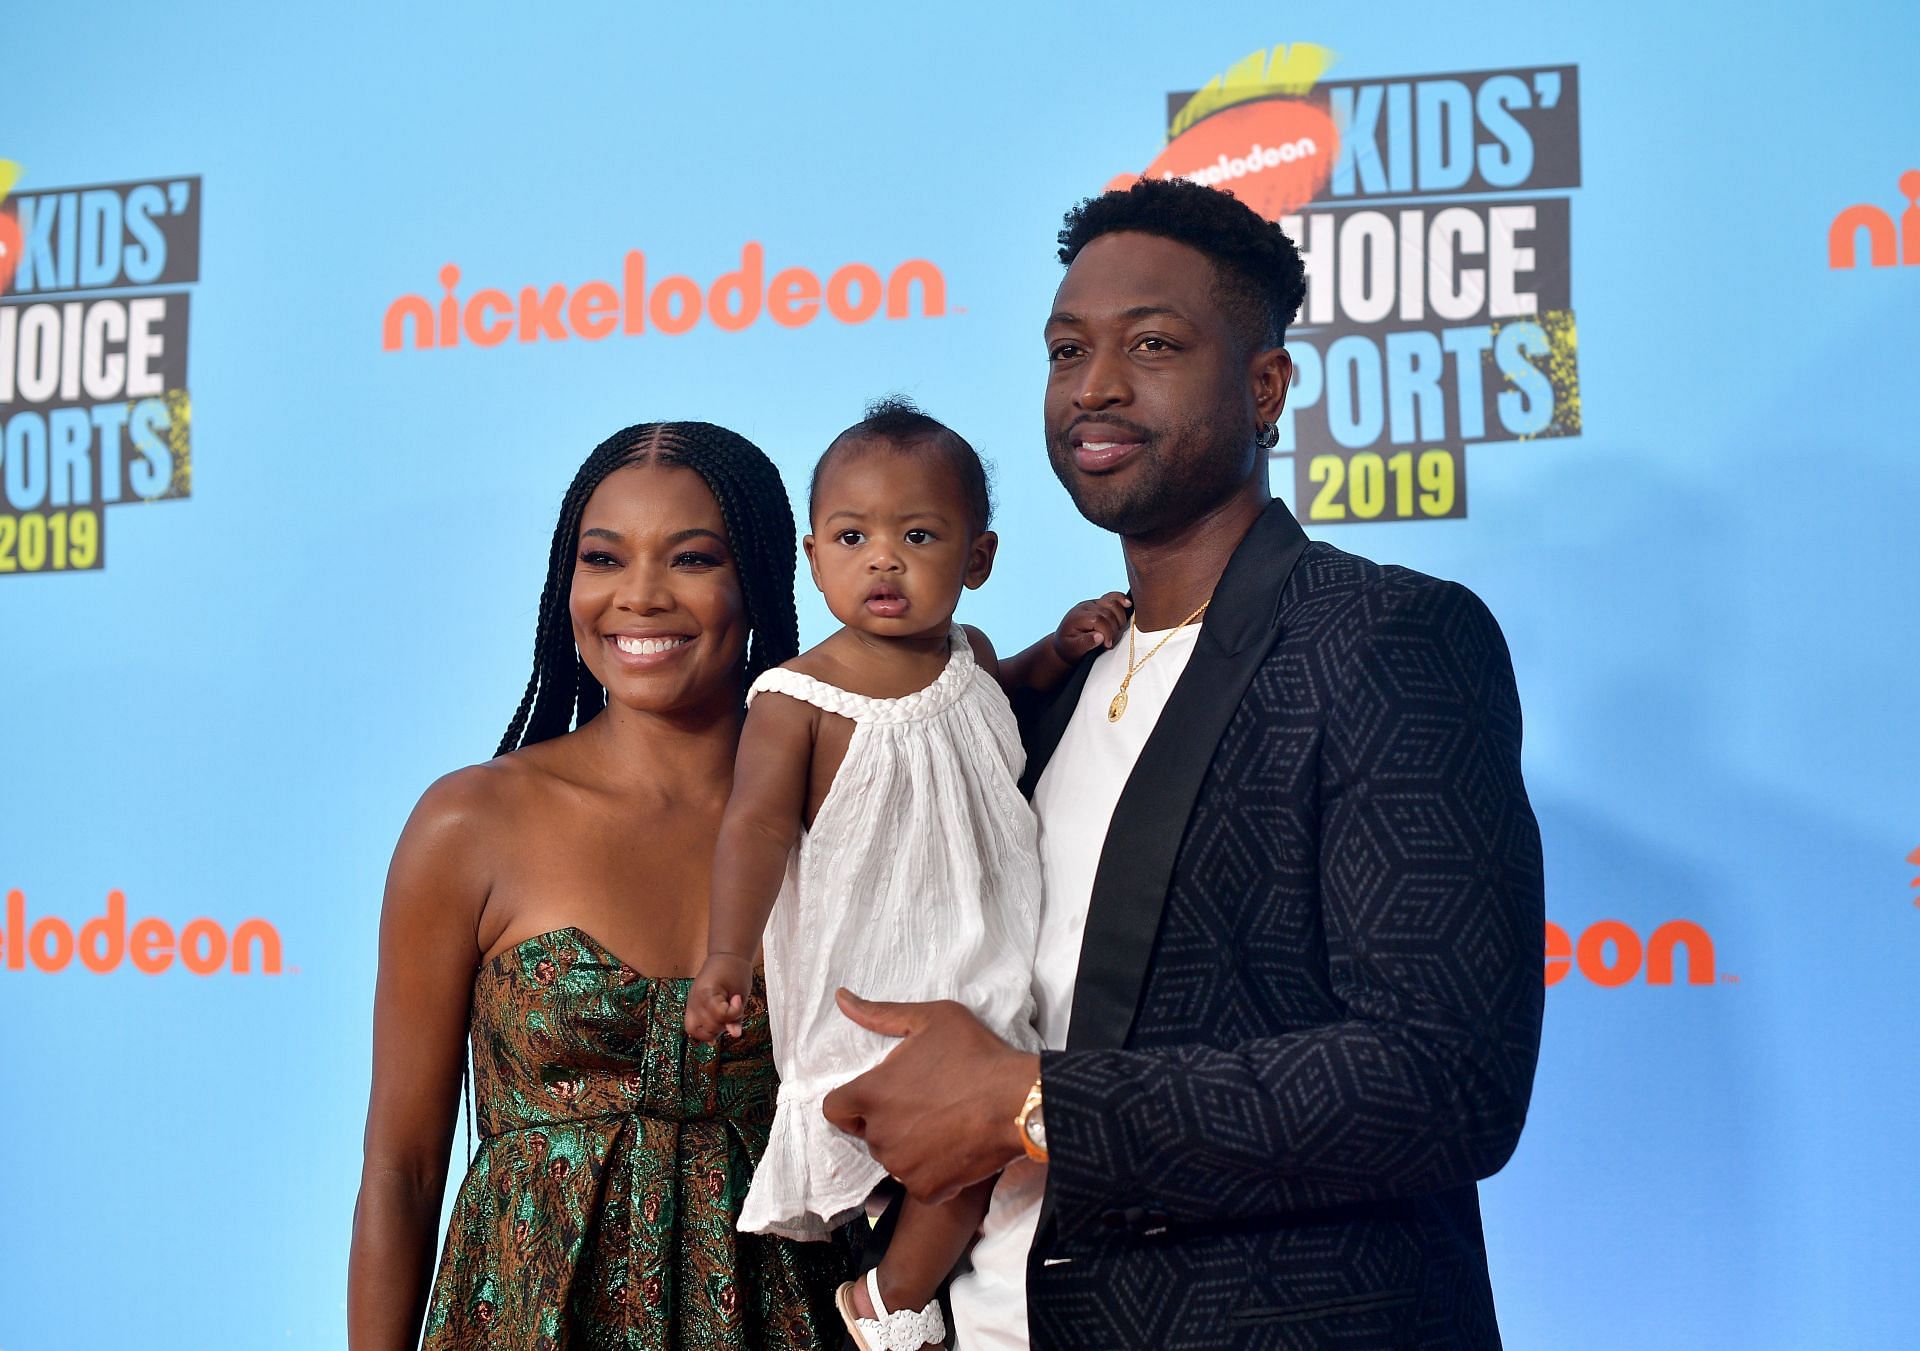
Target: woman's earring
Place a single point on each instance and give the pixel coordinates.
(1267, 435)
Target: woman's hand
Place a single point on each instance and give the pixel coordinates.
(1091, 624)
(718, 996)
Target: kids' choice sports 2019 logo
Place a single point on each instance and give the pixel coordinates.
(1432, 215)
(94, 403)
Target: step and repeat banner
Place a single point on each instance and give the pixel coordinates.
(306, 319)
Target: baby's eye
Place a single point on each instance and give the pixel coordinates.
(853, 539)
(919, 536)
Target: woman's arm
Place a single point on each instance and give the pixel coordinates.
(429, 949)
(764, 814)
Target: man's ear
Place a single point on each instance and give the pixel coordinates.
(1271, 376)
(980, 558)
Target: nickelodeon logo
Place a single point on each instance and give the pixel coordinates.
(793, 298)
(1843, 236)
(1611, 953)
(151, 945)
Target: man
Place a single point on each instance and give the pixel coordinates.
(1289, 966)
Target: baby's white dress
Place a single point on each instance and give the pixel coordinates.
(919, 879)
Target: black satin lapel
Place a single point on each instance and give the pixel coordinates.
(1150, 820)
(1042, 728)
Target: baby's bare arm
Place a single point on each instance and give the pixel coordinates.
(762, 820)
(1042, 668)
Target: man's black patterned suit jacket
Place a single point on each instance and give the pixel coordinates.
(1308, 1004)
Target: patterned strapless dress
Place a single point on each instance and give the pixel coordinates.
(599, 1208)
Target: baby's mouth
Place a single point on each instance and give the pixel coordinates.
(886, 603)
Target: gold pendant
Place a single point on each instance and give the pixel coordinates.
(1118, 706)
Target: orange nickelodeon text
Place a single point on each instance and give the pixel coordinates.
(1883, 240)
(1610, 953)
(792, 297)
(202, 946)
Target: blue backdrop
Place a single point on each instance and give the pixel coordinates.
(1680, 429)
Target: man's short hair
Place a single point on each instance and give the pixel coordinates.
(1258, 272)
(898, 423)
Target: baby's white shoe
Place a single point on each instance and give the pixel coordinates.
(901, 1330)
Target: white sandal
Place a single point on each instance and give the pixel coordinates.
(901, 1330)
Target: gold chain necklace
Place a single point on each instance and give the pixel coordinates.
(1119, 704)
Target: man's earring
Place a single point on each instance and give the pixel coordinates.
(1267, 435)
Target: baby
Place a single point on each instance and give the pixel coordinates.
(889, 754)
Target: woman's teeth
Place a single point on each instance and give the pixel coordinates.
(647, 647)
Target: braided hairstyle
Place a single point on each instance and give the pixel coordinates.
(562, 693)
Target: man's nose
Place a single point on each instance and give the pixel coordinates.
(1103, 382)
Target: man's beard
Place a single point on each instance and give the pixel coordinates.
(1158, 495)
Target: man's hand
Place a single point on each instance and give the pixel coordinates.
(938, 1111)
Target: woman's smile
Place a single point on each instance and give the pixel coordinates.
(647, 651)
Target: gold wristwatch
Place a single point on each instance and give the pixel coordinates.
(1032, 1124)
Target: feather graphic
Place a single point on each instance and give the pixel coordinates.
(11, 240)
(1290, 70)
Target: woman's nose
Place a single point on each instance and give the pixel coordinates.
(645, 591)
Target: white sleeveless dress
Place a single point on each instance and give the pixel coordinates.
(919, 879)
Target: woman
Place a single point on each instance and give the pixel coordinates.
(549, 902)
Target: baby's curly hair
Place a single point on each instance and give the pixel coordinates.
(1259, 273)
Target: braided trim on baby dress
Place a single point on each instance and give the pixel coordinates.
(949, 685)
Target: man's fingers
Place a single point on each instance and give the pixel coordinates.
(841, 1108)
(876, 1015)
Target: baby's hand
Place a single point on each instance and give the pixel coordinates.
(1091, 624)
(717, 996)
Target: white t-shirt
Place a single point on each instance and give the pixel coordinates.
(1074, 800)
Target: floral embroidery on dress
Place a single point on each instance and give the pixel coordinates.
(599, 1209)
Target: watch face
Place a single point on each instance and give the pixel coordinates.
(1037, 1129)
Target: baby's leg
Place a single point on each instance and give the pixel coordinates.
(927, 1243)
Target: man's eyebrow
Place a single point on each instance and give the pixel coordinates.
(1136, 312)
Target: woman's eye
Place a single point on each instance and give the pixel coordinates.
(918, 536)
(598, 558)
(853, 539)
(695, 560)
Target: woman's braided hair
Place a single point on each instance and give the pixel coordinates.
(562, 693)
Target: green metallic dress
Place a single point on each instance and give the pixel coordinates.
(599, 1209)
